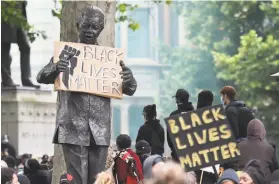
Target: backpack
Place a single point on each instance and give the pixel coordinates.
(127, 166)
(244, 116)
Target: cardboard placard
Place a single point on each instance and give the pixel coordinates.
(202, 138)
(93, 69)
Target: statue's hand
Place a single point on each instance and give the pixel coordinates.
(65, 56)
(126, 73)
(62, 65)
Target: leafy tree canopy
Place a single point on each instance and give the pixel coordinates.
(227, 43)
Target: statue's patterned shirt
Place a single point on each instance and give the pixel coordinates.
(79, 114)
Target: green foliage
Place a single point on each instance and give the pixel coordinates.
(257, 57)
(250, 70)
(12, 14)
(243, 38)
(123, 10)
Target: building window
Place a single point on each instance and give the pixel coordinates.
(116, 122)
(139, 40)
(139, 43)
(135, 120)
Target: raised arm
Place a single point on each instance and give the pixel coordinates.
(129, 84)
(51, 71)
(48, 74)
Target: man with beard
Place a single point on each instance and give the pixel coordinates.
(83, 120)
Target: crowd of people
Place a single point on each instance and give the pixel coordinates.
(257, 163)
(24, 169)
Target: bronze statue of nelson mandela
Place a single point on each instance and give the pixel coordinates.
(83, 120)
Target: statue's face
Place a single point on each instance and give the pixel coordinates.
(90, 28)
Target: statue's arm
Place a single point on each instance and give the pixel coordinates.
(129, 87)
(48, 74)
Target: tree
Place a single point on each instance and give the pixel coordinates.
(217, 26)
(123, 10)
(250, 68)
(229, 43)
(68, 33)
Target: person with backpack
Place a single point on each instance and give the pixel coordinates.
(238, 114)
(152, 131)
(127, 167)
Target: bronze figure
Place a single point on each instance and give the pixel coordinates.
(84, 120)
(12, 33)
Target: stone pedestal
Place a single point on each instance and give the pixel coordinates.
(28, 118)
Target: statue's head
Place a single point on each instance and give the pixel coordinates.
(90, 24)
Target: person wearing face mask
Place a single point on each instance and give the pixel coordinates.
(183, 106)
(238, 114)
(252, 173)
(152, 131)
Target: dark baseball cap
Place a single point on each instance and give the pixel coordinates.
(142, 147)
(182, 94)
(65, 178)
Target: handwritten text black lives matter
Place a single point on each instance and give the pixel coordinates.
(202, 138)
(97, 70)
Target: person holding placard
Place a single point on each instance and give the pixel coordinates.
(205, 99)
(84, 120)
(183, 106)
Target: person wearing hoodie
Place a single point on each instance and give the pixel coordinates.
(149, 163)
(32, 170)
(255, 147)
(183, 106)
(205, 99)
(229, 176)
(152, 131)
(238, 114)
(252, 173)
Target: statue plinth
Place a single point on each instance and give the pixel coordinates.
(28, 117)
